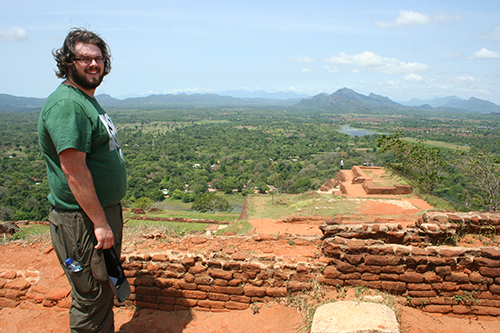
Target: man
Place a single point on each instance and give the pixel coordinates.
(87, 178)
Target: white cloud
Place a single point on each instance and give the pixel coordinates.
(484, 53)
(375, 63)
(409, 18)
(451, 55)
(305, 70)
(302, 58)
(332, 69)
(13, 35)
(494, 35)
(413, 77)
(464, 79)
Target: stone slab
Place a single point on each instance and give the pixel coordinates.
(354, 317)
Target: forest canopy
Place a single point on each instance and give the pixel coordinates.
(187, 152)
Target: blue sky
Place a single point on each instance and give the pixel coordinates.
(399, 49)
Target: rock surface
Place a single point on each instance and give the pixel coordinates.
(354, 317)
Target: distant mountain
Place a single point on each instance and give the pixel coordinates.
(262, 94)
(14, 103)
(344, 100)
(474, 104)
(209, 100)
(348, 100)
(435, 102)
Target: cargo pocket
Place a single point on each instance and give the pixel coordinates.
(83, 281)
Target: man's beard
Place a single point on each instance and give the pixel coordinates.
(83, 82)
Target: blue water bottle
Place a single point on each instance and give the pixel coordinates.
(73, 266)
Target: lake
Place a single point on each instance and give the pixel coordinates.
(346, 129)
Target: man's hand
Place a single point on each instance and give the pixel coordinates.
(104, 236)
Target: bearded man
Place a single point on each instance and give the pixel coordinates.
(87, 177)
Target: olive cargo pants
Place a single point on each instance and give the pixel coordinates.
(72, 234)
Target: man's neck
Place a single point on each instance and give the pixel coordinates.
(71, 83)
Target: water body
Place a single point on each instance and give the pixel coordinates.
(346, 129)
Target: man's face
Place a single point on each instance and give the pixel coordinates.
(88, 67)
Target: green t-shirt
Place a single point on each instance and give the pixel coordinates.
(72, 119)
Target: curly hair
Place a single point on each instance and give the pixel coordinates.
(65, 56)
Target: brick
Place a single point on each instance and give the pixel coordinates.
(194, 294)
(495, 289)
(218, 297)
(8, 303)
(165, 283)
(146, 298)
(211, 304)
(236, 306)
(461, 309)
(159, 257)
(354, 259)
(10, 275)
(394, 269)
(422, 293)
(438, 261)
(57, 294)
(443, 270)
(147, 290)
(13, 294)
(220, 274)
(490, 272)
(486, 311)
(451, 251)
(166, 300)
(220, 282)
(491, 252)
(458, 278)
(344, 267)
(146, 305)
(418, 286)
(412, 277)
(487, 262)
(190, 303)
(203, 280)
(431, 277)
(389, 277)
(331, 272)
(171, 292)
(276, 292)
(228, 290)
(375, 260)
(188, 261)
(390, 286)
(241, 299)
(437, 308)
(186, 285)
(254, 291)
(17, 284)
(198, 268)
(370, 277)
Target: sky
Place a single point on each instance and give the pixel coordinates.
(398, 49)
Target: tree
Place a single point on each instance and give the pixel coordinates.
(418, 161)
(210, 202)
(483, 170)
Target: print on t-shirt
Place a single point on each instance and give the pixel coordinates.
(113, 137)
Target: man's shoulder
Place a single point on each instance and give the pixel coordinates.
(68, 98)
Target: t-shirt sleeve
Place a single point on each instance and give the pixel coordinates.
(69, 127)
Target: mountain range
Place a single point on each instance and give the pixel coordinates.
(344, 100)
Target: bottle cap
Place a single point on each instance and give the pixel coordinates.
(68, 261)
